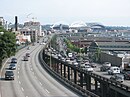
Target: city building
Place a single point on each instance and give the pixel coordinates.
(30, 32)
(32, 25)
(22, 39)
(110, 46)
(2, 21)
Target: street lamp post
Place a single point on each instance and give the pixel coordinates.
(50, 56)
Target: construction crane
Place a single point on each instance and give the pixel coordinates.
(28, 16)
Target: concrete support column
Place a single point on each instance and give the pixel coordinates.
(81, 79)
(104, 89)
(61, 69)
(96, 86)
(68, 73)
(57, 67)
(88, 82)
(75, 77)
(64, 71)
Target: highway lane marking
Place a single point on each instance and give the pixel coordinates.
(22, 88)
(40, 83)
(31, 69)
(19, 82)
(18, 72)
(18, 76)
(47, 91)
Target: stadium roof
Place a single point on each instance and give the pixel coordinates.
(78, 24)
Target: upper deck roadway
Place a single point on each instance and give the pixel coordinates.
(31, 80)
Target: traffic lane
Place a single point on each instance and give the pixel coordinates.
(26, 78)
(11, 88)
(51, 85)
(29, 83)
(106, 75)
(8, 87)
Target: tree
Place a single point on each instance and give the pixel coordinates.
(7, 44)
(97, 55)
(72, 47)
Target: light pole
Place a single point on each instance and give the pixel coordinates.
(50, 56)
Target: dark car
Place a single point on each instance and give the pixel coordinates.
(126, 75)
(25, 58)
(14, 60)
(28, 54)
(12, 66)
(93, 65)
(9, 75)
(104, 68)
(28, 48)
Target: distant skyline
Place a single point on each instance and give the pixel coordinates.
(107, 12)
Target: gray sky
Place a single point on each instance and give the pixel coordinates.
(107, 12)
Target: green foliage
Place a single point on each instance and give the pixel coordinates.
(97, 55)
(7, 44)
(53, 42)
(73, 47)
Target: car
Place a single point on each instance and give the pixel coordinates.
(104, 68)
(25, 58)
(9, 75)
(28, 48)
(33, 44)
(117, 77)
(28, 54)
(12, 66)
(14, 60)
(107, 64)
(88, 68)
(114, 70)
(93, 65)
(42, 43)
(75, 64)
(126, 75)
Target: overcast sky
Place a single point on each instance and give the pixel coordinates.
(107, 12)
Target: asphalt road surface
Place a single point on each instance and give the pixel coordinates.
(31, 80)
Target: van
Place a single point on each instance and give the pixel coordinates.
(114, 70)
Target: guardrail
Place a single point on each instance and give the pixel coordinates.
(74, 87)
(114, 83)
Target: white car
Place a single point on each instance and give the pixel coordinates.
(88, 68)
(42, 43)
(75, 64)
(114, 70)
